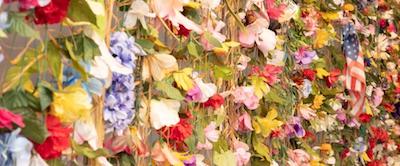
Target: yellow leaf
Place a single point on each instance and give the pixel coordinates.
(318, 101)
(365, 157)
(321, 73)
(182, 78)
(368, 108)
(269, 123)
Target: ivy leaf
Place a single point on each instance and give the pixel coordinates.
(212, 40)
(227, 158)
(169, 90)
(223, 72)
(76, 14)
(87, 151)
(19, 26)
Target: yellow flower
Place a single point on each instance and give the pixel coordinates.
(326, 148)
(322, 38)
(182, 78)
(348, 7)
(71, 104)
(329, 16)
(318, 101)
(269, 123)
(321, 73)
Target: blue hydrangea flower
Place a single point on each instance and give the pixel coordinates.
(120, 98)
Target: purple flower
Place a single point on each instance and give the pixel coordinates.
(125, 48)
(396, 113)
(294, 128)
(304, 56)
(194, 94)
(190, 162)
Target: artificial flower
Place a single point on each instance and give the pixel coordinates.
(270, 73)
(321, 73)
(163, 154)
(242, 62)
(378, 96)
(298, 157)
(243, 124)
(304, 56)
(56, 142)
(241, 153)
(258, 32)
(179, 132)
(318, 101)
(309, 74)
(215, 32)
(210, 4)
(171, 10)
(211, 133)
(246, 96)
(85, 131)
(207, 89)
(306, 112)
(215, 101)
(138, 10)
(15, 149)
(71, 104)
(307, 88)
(54, 12)
(8, 118)
(268, 123)
(164, 112)
(182, 78)
(293, 127)
(116, 142)
(274, 11)
(194, 94)
(206, 146)
(158, 66)
(333, 77)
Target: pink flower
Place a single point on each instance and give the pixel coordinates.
(274, 11)
(306, 112)
(258, 32)
(298, 157)
(206, 146)
(377, 98)
(241, 152)
(7, 118)
(243, 124)
(194, 94)
(211, 133)
(214, 32)
(246, 96)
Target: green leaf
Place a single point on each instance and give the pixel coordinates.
(274, 96)
(16, 99)
(221, 145)
(212, 40)
(192, 49)
(54, 60)
(227, 158)
(18, 25)
(191, 143)
(261, 149)
(169, 90)
(45, 95)
(87, 151)
(80, 11)
(223, 72)
(55, 162)
(90, 49)
(146, 44)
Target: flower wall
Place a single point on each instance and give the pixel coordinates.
(200, 82)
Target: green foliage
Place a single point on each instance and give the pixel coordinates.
(86, 150)
(166, 87)
(80, 11)
(19, 26)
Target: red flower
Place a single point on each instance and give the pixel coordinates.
(215, 101)
(310, 135)
(274, 11)
(383, 23)
(380, 134)
(364, 117)
(7, 118)
(56, 142)
(52, 13)
(345, 153)
(309, 74)
(376, 163)
(270, 73)
(183, 31)
(178, 132)
(388, 107)
(333, 77)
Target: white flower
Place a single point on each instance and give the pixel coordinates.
(85, 131)
(158, 65)
(21, 149)
(210, 4)
(164, 112)
(37, 161)
(138, 10)
(207, 89)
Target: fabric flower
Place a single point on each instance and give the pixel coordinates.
(8, 118)
(333, 77)
(309, 74)
(54, 12)
(211, 133)
(71, 104)
(241, 152)
(194, 94)
(179, 132)
(125, 48)
(294, 128)
(207, 89)
(243, 124)
(298, 157)
(215, 101)
(246, 96)
(164, 112)
(210, 4)
(270, 73)
(304, 57)
(158, 66)
(258, 32)
(274, 11)
(377, 98)
(138, 10)
(306, 112)
(56, 142)
(214, 31)
(171, 10)
(318, 101)
(307, 88)
(242, 62)
(15, 149)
